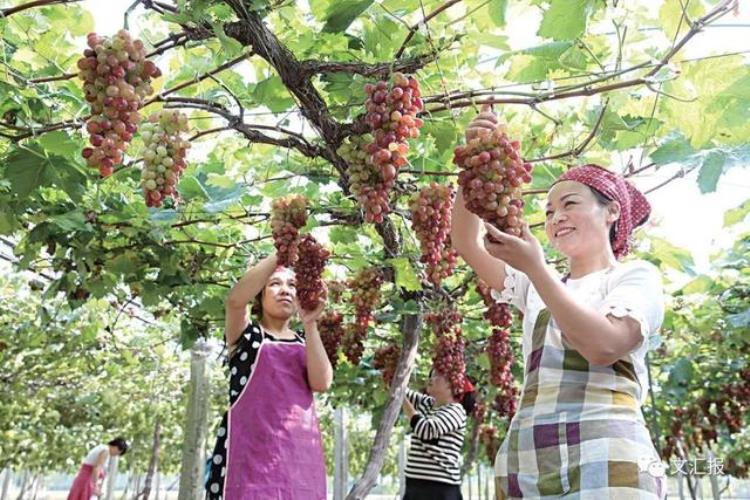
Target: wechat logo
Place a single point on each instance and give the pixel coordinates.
(652, 465)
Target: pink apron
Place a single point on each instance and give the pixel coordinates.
(274, 447)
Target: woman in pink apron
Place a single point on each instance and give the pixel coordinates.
(87, 482)
(268, 444)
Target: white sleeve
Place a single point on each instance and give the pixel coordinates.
(636, 292)
(515, 290)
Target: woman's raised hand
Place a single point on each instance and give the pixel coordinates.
(485, 120)
(308, 317)
(524, 253)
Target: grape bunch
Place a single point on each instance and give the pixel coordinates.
(116, 78)
(498, 314)
(431, 220)
(444, 320)
(336, 289)
(392, 116)
(702, 421)
(366, 179)
(288, 215)
(164, 151)
(308, 270)
(491, 178)
(448, 360)
(365, 287)
(331, 332)
(489, 437)
(501, 359)
(499, 351)
(448, 352)
(354, 338)
(480, 411)
(385, 360)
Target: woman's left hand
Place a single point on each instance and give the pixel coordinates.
(524, 253)
(311, 317)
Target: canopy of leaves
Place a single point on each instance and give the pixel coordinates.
(272, 89)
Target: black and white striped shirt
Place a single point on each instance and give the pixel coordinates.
(437, 440)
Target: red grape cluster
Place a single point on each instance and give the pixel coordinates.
(385, 360)
(308, 270)
(288, 214)
(697, 425)
(353, 343)
(116, 78)
(331, 332)
(499, 352)
(448, 354)
(366, 178)
(336, 289)
(448, 360)
(444, 320)
(480, 411)
(501, 358)
(164, 154)
(392, 115)
(491, 179)
(489, 437)
(431, 220)
(497, 313)
(365, 287)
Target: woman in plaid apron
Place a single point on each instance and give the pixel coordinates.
(579, 431)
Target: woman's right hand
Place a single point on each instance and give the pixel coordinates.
(485, 120)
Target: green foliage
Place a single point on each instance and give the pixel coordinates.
(97, 243)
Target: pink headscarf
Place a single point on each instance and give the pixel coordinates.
(634, 207)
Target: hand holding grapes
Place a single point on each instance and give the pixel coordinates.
(311, 317)
(524, 253)
(486, 119)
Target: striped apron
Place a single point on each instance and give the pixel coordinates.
(579, 432)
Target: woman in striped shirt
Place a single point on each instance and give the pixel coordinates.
(438, 423)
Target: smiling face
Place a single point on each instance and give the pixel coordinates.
(279, 294)
(576, 223)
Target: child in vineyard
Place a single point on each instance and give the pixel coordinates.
(269, 443)
(88, 481)
(579, 429)
(438, 424)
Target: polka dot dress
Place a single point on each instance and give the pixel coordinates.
(241, 365)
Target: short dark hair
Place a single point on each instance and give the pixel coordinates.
(257, 308)
(121, 444)
(468, 402)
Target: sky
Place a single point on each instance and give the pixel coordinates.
(683, 215)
